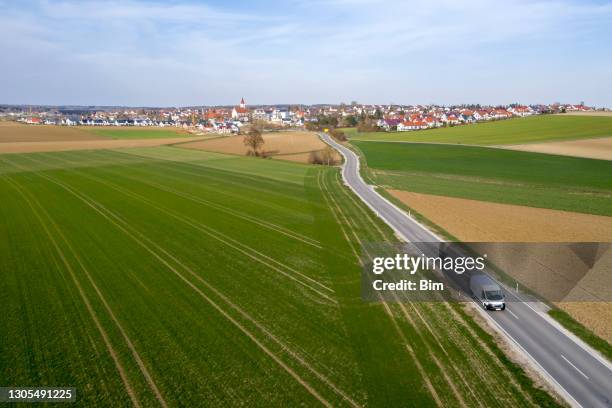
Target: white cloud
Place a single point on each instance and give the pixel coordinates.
(187, 53)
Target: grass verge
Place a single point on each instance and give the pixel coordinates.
(582, 332)
(541, 397)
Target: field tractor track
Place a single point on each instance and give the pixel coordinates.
(266, 224)
(406, 314)
(352, 228)
(252, 253)
(101, 330)
(140, 239)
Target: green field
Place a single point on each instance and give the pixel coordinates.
(166, 276)
(512, 131)
(489, 174)
(137, 133)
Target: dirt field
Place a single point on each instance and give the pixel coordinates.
(600, 148)
(296, 157)
(479, 221)
(16, 132)
(471, 220)
(104, 143)
(594, 315)
(293, 146)
(589, 113)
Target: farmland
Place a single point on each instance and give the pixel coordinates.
(600, 148)
(16, 132)
(20, 138)
(293, 145)
(496, 175)
(237, 276)
(589, 113)
(512, 131)
(30, 147)
(481, 221)
(136, 132)
(488, 194)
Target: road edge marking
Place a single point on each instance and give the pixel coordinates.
(576, 368)
(562, 391)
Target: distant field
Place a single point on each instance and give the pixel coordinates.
(238, 276)
(504, 132)
(594, 113)
(600, 148)
(293, 146)
(137, 133)
(11, 132)
(17, 137)
(498, 175)
(97, 144)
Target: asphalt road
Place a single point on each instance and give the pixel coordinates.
(580, 375)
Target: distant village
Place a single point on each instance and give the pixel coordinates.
(230, 120)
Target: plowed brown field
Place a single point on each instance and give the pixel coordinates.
(16, 132)
(592, 148)
(595, 113)
(293, 146)
(479, 221)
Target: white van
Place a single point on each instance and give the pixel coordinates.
(487, 292)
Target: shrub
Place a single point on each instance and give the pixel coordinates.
(338, 135)
(324, 157)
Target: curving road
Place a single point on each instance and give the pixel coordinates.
(581, 375)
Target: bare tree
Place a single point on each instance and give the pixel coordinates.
(253, 140)
(328, 156)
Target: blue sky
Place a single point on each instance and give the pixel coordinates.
(177, 53)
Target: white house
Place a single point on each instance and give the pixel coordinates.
(405, 126)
